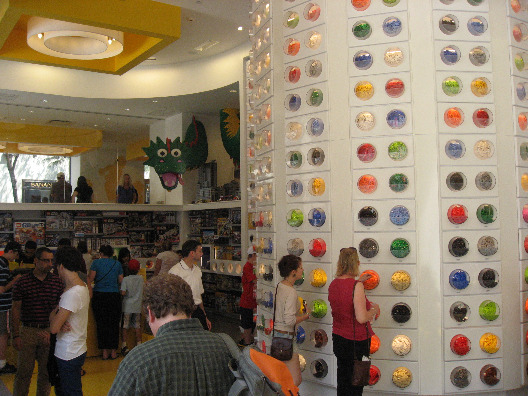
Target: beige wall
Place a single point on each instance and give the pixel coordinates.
(100, 169)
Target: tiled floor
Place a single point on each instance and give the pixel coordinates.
(100, 373)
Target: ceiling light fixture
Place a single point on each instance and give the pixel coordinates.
(71, 40)
(240, 28)
(233, 91)
(3, 145)
(44, 149)
(206, 45)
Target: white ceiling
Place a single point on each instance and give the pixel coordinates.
(202, 20)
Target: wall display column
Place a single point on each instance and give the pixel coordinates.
(426, 170)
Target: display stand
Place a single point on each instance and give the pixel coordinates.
(419, 164)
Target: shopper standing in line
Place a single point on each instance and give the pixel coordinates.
(126, 193)
(351, 313)
(188, 269)
(286, 308)
(35, 295)
(166, 259)
(124, 257)
(61, 190)
(11, 253)
(248, 301)
(70, 322)
(106, 274)
(182, 359)
(132, 292)
(27, 259)
(83, 192)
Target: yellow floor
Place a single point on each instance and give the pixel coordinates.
(97, 382)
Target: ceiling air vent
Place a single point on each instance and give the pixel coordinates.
(59, 122)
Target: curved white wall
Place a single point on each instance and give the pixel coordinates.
(141, 82)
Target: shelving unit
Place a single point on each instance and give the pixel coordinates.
(139, 230)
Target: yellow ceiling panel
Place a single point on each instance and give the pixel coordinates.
(148, 26)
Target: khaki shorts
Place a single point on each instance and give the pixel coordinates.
(131, 320)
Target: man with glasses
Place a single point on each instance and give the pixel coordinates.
(11, 253)
(35, 295)
(61, 190)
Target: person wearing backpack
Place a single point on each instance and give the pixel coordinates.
(183, 358)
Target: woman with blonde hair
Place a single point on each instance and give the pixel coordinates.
(352, 313)
(286, 308)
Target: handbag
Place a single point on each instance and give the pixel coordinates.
(281, 348)
(361, 368)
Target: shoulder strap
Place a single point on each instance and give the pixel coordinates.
(230, 344)
(110, 270)
(274, 310)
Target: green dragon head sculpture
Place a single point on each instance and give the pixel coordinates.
(170, 159)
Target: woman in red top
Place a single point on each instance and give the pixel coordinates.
(248, 301)
(351, 331)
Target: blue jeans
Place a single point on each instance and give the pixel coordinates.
(70, 375)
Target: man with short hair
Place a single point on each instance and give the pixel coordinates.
(191, 273)
(182, 359)
(28, 257)
(11, 253)
(35, 295)
(61, 190)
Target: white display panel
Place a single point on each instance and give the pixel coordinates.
(306, 286)
(306, 166)
(472, 222)
(304, 78)
(379, 95)
(385, 319)
(383, 190)
(303, 23)
(385, 272)
(474, 320)
(385, 351)
(302, 36)
(474, 287)
(384, 241)
(470, 173)
(466, 94)
(376, 8)
(470, 141)
(304, 93)
(306, 238)
(383, 207)
(464, 62)
(474, 367)
(376, 23)
(306, 196)
(378, 51)
(306, 136)
(305, 208)
(467, 126)
(329, 379)
(462, 33)
(385, 383)
(382, 160)
(472, 237)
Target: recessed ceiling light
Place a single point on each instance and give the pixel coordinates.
(154, 101)
(108, 118)
(45, 100)
(22, 119)
(127, 109)
(95, 125)
(233, 91)
(31, 111)
(240, 28)
(206, 45)
(152, 58)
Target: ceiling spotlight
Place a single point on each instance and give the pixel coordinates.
(40, 35)
(45, 100)
(127, 109)
(154, 101)
(240, 28)
(233, 91)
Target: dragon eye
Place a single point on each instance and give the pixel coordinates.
(162, 153)
(175, 153)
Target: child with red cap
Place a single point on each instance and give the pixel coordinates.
(132, 291)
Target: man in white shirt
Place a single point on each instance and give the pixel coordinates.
(189, 271)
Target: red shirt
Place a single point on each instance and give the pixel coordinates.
(340, 296)
(247, 299)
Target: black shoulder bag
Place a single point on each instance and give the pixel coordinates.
(281, 348)
(361, 368)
